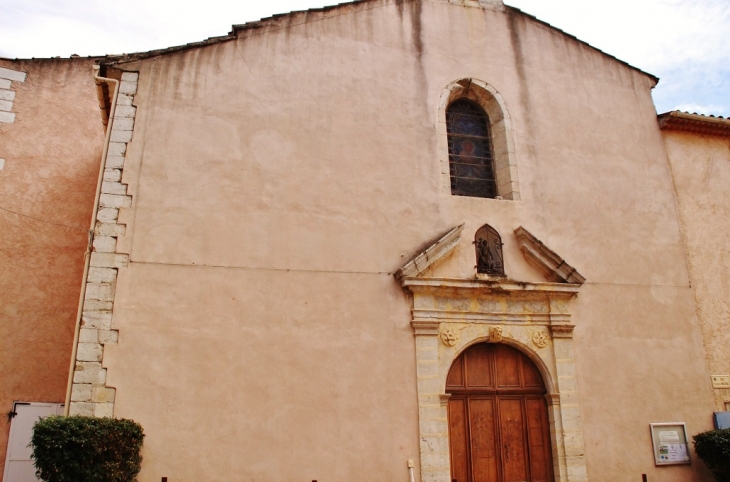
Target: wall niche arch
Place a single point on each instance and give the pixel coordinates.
(488, 246)
(500, 128)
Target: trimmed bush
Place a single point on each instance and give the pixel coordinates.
(74, 449)
(713, 448)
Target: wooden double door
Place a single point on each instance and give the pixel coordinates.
(498, 422)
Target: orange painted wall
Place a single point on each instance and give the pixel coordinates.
(47, 187)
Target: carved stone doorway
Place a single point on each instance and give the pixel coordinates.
(450, 315)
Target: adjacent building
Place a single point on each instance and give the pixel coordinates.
(51, 140)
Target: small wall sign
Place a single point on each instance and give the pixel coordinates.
(670, 443)
(720, 381)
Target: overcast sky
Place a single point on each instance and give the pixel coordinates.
(684, 42)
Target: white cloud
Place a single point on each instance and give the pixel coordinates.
(47, 28)
(650, 34)
(685, 42)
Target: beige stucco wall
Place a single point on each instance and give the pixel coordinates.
(52, 152)
(701, 169)
(278, 179)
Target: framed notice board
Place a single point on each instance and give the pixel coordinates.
(670, 443)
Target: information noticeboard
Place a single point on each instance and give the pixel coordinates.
(670, 443)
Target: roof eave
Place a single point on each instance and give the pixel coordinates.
(125, 58)
(694, 123)
(653, 77)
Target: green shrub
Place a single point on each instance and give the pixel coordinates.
(713, 448)
(75, 449)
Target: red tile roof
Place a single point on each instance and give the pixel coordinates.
(695, 123)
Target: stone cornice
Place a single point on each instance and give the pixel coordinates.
(426, 327)
(562, 330)
(495, 317)
(467, 287)
(427, 257)
(545, 259)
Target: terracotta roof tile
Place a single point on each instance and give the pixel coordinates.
(695, 123)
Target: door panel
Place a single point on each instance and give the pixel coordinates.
(512, 430)
(484, 441)
(478, 367)
(532, 378)
(18, 464)
(456, 374)
(507, 361)
(459, 446)
(538, 430)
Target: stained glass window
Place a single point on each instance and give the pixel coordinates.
(470, 150)
(488, 245)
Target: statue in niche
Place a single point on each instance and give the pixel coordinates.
(488, 245)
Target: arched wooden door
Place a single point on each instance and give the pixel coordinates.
(498, 423)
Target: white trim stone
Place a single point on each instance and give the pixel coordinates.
(89, 393)
(7, 96)
(7, 117)
(14, 75)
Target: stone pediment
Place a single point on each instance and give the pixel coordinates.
(545, 259)
(537, 254)
(431, 254)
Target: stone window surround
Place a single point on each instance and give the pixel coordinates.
(500, 126)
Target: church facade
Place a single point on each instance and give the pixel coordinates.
(398, 238)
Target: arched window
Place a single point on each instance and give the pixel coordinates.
(470, 150)
(488, 245)
(470, 109)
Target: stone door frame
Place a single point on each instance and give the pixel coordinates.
(450, 315)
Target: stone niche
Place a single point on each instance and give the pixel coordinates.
(450, 315)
